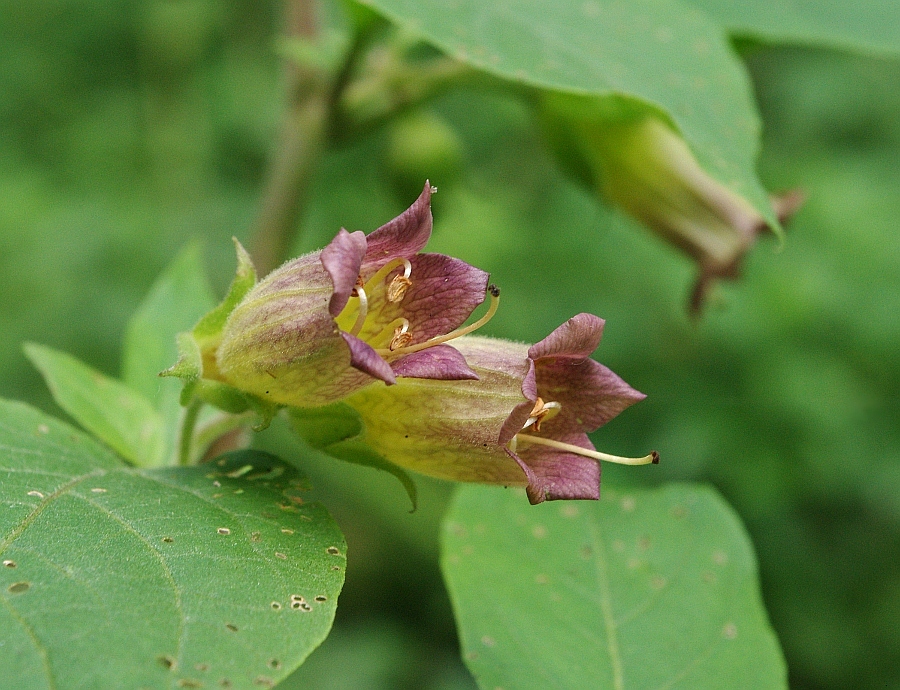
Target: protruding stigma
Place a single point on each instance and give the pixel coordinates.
(651, 459)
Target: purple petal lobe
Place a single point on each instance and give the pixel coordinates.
(404, 236)
(440, 362)
(521, 412)
(590, 393)
(444, 292)
(577, 338)
(342, 258)
(364, 358)
(555, 474)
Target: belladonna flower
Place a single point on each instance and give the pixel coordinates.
(524, 421)
(364, 308)
(639, 163)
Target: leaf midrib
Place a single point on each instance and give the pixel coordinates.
(609, 623)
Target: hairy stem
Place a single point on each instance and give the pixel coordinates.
(186, 440)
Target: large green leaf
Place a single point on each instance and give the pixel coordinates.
(116, 414)
(113, 577)
(642, 589)
(657, 52)
(869, 25)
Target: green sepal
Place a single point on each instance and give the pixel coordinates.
(337, 430)
(208, 330)
(229, 399)
(189, 366)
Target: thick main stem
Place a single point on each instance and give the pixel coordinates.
(300, 145)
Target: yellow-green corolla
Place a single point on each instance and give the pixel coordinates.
(524, 421)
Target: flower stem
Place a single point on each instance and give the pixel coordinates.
(651, 459)
(185, 442)
(299, 148)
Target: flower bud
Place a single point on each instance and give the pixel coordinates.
(642, 165)
(523, 422)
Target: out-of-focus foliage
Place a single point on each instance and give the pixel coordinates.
(128, 129)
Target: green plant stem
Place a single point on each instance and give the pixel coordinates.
(299, 147)
(185, 442)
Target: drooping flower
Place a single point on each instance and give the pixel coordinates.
(366, 307)
(643, 166)
(523, 422)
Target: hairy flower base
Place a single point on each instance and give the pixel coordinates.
(364, 308)
(523, 422)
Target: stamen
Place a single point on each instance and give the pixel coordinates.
(360, 292)
(541, 411)
(387, 334)
(438, 340)
(653, 458)
(401, 336)
(385, 270)
(397, 289)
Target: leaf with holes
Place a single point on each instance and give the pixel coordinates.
(217, 575)
(642, 589)
(659, 54)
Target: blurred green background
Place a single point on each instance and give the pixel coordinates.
(127, 129)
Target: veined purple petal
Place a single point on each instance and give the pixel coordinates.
(440, 362)
(590, 393)
(365, 359)
(521, 412)
(577, 338)
(403, 236)
(444, 292)
(555, 474)
(342, 258)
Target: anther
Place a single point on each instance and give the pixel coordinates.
(541, 411)
(402, 336)
(385, 271)
(397, 289)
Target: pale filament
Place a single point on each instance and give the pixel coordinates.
(438, 340)
(651, 459)
(360, 292)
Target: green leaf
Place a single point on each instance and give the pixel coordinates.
(870, 25)
(209, 576)
(642, 589)
(117, 415)
(178, 298)
(659, 53)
